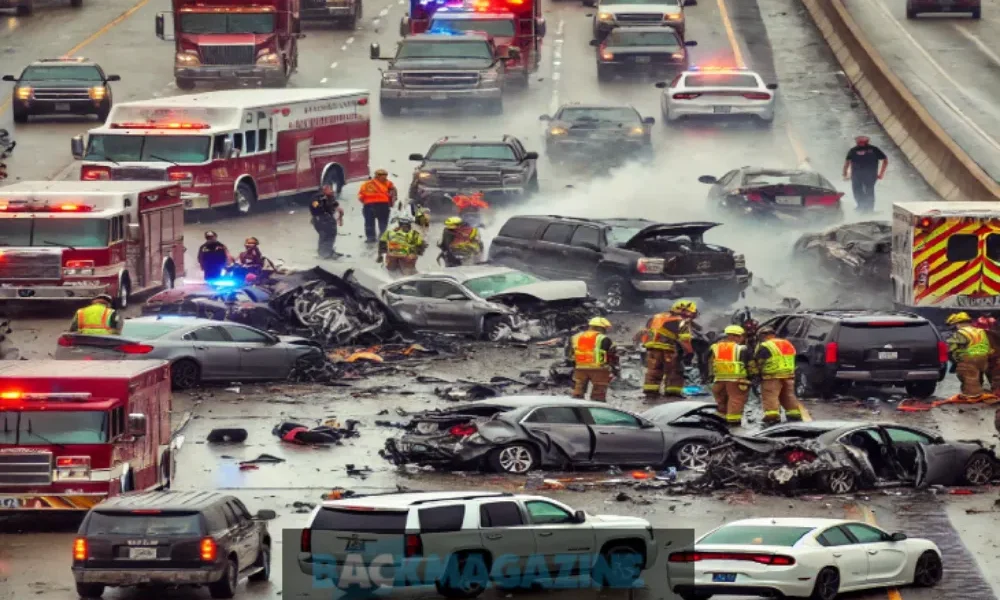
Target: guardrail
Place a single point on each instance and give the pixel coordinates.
(933, 153)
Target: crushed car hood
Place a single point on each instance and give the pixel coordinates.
(547, 291)
(694, 229)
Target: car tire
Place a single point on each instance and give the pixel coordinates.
(613, 578)
(124, 293)
(827, 585)
(618, 294)
(463, 589)
(89, 590)
(516, 459)
(495, 107)
(838, 482)
(390, 108)
(977, 13)
(184, 84)
(496, 328)
(103, 112)
(765, 123)
(264, 561)
(691, 454)
(20, 116)
(929, 570)
(979, 470)
(605, 74)
(185, 374)
(911, 14)
(226, 586)
(921, 389)
(245, 199)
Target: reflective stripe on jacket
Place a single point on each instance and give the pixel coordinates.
(375, 192)
(94, 320)
(465, 240)
(781, 363)
(666, 331)
(975, 345)
(588, 352)
(401, 244)
(728, 361)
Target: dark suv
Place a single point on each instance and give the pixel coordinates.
(624, 260)
(837, 348)
(61, 86)
(171, 538)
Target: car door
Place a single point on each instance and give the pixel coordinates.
(584, 252)
(251, 537)
(851, 558)
(563, 426)
(450, 308)
(503, 532)
(559, 539)
(921, 457)
(621, 438)
(408, 300)
(235, 538)
(261, 357)
(215, 352)
(886, 559)
(553, 249)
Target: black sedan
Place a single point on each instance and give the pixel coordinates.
(598, 134)
(520, 434)
(651, 50)
(776, 195)
(61, 86)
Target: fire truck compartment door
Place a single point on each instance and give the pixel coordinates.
(303, 165)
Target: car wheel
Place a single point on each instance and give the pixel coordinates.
(921, 389)
(185, 374)
(827, 585)
(618, 293)
(840, 481)
(90, 590)
(264, 563)
(20, 116)
(468, 584)
(929, 570)
(979, 470)
(245, 198)
(623, 565)
(226, 587)
(515, 458)
(103, 112)
(390, 108)
(803, 384)
(692, 454)
(495, 107)
(124, 289)
(911, 14)
(977, 13)
(185, 84)
(497, 329)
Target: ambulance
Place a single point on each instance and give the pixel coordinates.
(946, 257)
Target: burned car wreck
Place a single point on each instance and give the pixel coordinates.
(856, 250)
(841, 457)
(522, 433)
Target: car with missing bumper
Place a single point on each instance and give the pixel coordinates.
(641, 50)
(776, 196)
(625, 261)
(172, 539)
(717, 93)
(597, 133)
(612, 14)
(61, 86)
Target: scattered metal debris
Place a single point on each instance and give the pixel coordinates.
(227, 436)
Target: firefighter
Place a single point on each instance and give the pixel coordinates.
(730, 378)
(970, 350)
(213, 256)
(326, 215)
(460, 243)
(667, 335)
(774, 360)
(400, 247)
(377, 195)
(97, 319)
(595, 358)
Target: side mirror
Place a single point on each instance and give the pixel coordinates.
(9, 78)
(690, 43)
(661, 85)
(76, 147)
(137, 424)
(375, 52)
(266, 514)
(897, 537)
(772, 86)
(531, 156)
(159, 26)
(457, 297)
(540, 27)
(545, 118)
(595, 43)
(579, 517)
(133, 232)
(708, 179)
(418, 157)
(648, 121)
(114, 78)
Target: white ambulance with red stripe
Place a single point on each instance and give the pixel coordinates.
(234, 148)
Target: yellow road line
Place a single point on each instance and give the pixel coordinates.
(731, 34)
(93, 37)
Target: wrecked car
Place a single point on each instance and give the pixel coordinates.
(522, 433)
(855, 250)
(488, 302)
(775, 195)
(840, 457)
(241, 304)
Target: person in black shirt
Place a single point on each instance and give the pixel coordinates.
(326, 216)
(865, 164)
(213, 256)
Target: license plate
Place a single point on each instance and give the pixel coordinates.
(142, 553)
(788, 200)
(439, 96)
(888, 355)
(62, 107)
(10, 503)
(642, 59)
(723, 110)
(723, 577)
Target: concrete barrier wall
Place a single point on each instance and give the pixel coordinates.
(942, 163)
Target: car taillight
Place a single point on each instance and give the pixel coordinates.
(95, 174)
(134, 349)
(65, 341)
(685, 96)
(943, 352)
(798, 456)
(764, 559)
(80, 549)
(413, 546)
(462, 430)
(757, 96)
(753, 197)
(831, 353)
(649, 266)
(825, 200)
(305, 541)
(208, 550)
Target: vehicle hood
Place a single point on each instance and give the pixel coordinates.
(617, 520)
(645, 50)
(505, 166)
(212, 39)
(641, 8)
(547, 291)
(694, 229)
(60, 83)
(441, 64)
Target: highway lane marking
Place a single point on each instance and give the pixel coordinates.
(860, 512)
(334, 65)
(557, 46)
(93, 37)
(384, 11)
(962, 29)
(349, 41)
(323, 80)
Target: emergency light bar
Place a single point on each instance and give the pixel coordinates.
(159, 126)
(71, 396)
(22, 206)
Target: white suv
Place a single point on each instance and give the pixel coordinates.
(460, 541)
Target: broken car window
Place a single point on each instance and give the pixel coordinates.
(500, 514)
(556, 415)
(834, 536)
(903, 436)
(606, 416)
(865, 534)
(441, 519)
(758, 535)
(546, 513)
(962, 247)
(406, 289)
(818, 330)
(792, 327)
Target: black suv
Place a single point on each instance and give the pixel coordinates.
(171, 538)
(61, 86)
(499, 168)
(837, 348)
(625, 260)
(598, 132)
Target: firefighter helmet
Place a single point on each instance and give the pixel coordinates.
(684, 307)
(959, 317)
(734, 330)
(600, 322)
(381, 173)
(405, 220)
(453, 222)
(104, 298)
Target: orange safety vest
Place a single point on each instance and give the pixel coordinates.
(659, 337)
(726, 363)
(462, 241)
(587, 352)
(467, 202)
(781, 363)
(374, 192)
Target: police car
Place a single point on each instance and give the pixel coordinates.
(717, 92)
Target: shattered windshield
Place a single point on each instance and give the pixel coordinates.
(55, 427)
(183, 149)
(491, 285)
(428, 49)
(756, 535)
(75, 233)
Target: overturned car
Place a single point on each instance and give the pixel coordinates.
(841, 457)
(856, 250)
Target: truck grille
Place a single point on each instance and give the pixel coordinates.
(460, 179)
(228, 55)
(440, 80)
(25, 468)
(138, 174)
(28, 265)
(61, 94)
(632, 18)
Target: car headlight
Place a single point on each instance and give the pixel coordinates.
(425, 175)
(673, 17)
(187, 59)
(637, 131)
(98, 93)
(490, 77)
(607, 55)
(605, 16)
(512, 178)
(269, 58)
(557, 131)
(390, 77)
(23, 93)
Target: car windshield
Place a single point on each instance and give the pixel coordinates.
(756, 535)
(62, 73)
(222, 23)
(184, 149)
(721, 80)
(142, 525)
(53, 427)
(623, 38)
(601, 115)
(787, 178)
(75, 233)
(492, 27)
(451, 152)
(142, 330)
(491, 285)
(428, 49)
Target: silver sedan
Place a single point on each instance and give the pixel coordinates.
(198, 349)
(724, 92)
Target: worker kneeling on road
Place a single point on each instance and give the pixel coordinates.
(595, 358)
(97, 319)
(400, 247)
(460, 243)
(970, 351)
(775, 359)
(667, 336)
(730, 378)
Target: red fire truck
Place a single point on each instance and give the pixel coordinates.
(234, 148)
(253, 41)
(73, 240)
(517, 23)
(73, 435)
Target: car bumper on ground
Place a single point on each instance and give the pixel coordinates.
(688, 108)
(84, 291)
(692, 286)
(57, 107)
(121, 577)
(230, 73)
(889, 376)
(327, 13)
(432, 97)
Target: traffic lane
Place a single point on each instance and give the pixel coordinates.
(974, 519)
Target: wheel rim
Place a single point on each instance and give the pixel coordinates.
(184, 375)
(123, 295)
(979, 471)
(800, 385)
(468, 586)
(929, 570)
(516, 459)
(829, 585)
(841, 482)
(614, 295)
(693, 455)
(242, 202)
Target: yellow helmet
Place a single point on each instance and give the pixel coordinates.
(600, 322)
(959, 317)
(684, 306)
(452, 222)
(734, 330)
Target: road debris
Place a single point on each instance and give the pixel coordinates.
(227, 436)
(330, 432)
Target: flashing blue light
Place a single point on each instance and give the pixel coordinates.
(222, 282)
(440, 29)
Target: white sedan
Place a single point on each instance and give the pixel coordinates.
(717, 92)
(801, 558)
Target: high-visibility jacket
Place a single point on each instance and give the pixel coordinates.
(969, 342)
(588, 351)
(95, 320)
(666, 331)
(375, 192)
(729, 361)
(781, 362)
(465, 241)
(402, 244)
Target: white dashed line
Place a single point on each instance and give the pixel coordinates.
(375, 23)
(323, 80)
(402, 2)
(349, 41)
(334, 65)
(384, 12)
(557, 65)
(343, 48)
